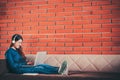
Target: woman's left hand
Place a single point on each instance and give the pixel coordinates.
(30, 63)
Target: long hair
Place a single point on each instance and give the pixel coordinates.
(17, 37)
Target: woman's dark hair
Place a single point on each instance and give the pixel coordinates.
(15, 38)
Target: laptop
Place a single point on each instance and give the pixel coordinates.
(39, 59)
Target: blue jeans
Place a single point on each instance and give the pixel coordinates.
(42, 69)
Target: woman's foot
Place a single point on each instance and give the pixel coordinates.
(63, 67)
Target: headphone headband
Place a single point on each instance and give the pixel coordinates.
(13, 41)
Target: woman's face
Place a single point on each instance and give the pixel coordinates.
(18, 43)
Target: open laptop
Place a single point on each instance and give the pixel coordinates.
(39, 59)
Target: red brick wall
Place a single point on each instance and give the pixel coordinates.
(62, 26)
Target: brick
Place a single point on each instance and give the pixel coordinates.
(73, 44)
(30, 16)
(109, 16)
(31, 40)
(91, 35)
(14, 0)
(67, 9)
(115, 29)
(56, 27)
(2, 32)
(38, 36)
(22, 20)
(73, 35)
(63, 48)
(10, 5)
(15, 8)
(56, 52)
(47, 49)
(104, 39)
(111, 52)
(101, 49)
(55, 44)
(82, 22)
(3, 37)
(91, 26)
(92, 52)
(46, 31)
(96, 3)
(82, 48)
(101, 21)
(64, 40)
(14, 24)
(73, 26)
(61, 14)
(15, 31)
(46, 14)
(6, 28)
(63, 22)
(30, 24)
(64, 31)
(91, 44)
(46, 23)
(110, 7)
(82, 40)
(38, 27)
(73, 52)
(7, 21)
(82, 12)
(115, 12)
(92, 17)
(30, 7)
(111, 34)
(39, 2)
(39, 44)
(102, 30)
(22, 28)
(46, 6)
(104, 12)
(115, 20)
(3, 41)
(46, 40)
(55, 10)
(73, 17)
(30, 31)
(38, 11)
(91, 8)
(82, 4)
(115, 48)
(72, 1)
(56, 19)
(82, 30)
(3, 24)
(38, 19)
(14, 16)
(55, 1)
(110, 25)
(110, 43)
(28, 3)
(115, 39)
(63, 5)
(56, 36)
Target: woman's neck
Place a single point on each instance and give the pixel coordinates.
(13, 48)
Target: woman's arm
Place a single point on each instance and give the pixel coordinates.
(10, 60)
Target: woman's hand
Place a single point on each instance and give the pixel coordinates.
(30, 63)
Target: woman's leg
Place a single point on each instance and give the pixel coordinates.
(43, 69)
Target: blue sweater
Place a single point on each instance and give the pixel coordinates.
(16, 64)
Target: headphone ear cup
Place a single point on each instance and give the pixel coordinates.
(13, 41)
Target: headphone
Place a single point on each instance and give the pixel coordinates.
(13, 41)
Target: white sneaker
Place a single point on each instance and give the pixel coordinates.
(63, 67)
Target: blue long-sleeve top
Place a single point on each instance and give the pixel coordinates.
(14, 59)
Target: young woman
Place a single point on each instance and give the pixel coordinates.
(16, 60)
